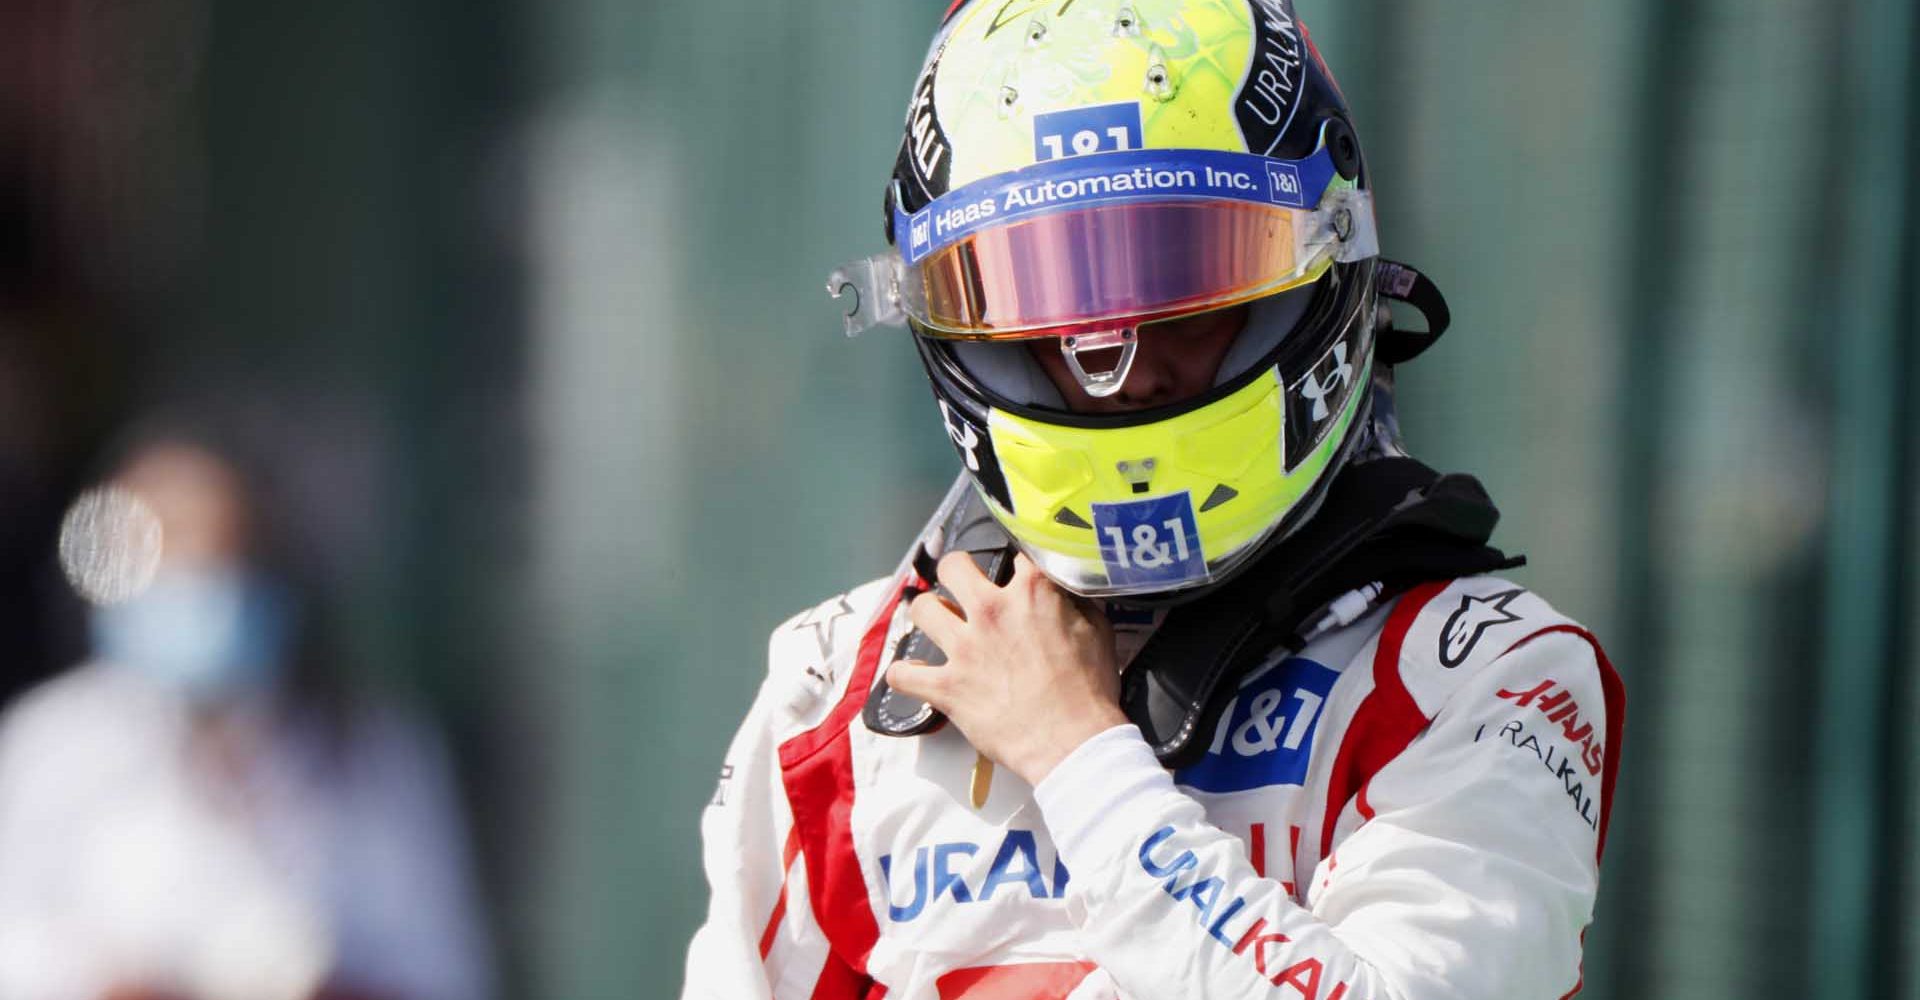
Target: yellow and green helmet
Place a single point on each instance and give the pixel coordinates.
(1075, 170)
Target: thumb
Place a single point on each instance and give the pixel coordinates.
(919, 680)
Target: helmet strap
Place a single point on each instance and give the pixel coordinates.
(1384, 527)
(1403, 283)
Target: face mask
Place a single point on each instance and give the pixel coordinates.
(209, 633)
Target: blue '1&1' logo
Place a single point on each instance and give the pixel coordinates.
(1154, 542)
(1284, 186)
(1265, 736)
(1102, 128)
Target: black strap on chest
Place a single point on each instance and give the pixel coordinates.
(1391, 521)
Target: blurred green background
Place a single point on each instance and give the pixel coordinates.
(545, 280)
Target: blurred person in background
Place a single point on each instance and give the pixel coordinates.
(1236, 708)
(205, 809)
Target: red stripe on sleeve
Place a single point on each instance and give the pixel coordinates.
(1580, 977)
(865, 664)
(1614, 693)
(817, 769)
(1386, 722)
(787, 855)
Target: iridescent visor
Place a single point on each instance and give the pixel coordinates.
(1111, 240)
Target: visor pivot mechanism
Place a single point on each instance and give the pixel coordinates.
(1101, 384)
(870, 288)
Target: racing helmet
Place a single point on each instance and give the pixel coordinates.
(1074, 172)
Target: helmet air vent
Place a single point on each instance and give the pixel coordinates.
(1066, 516)
(1100, 384)
(1160, 84)
(1009, 92)
(1126, 23)
(1221, 494)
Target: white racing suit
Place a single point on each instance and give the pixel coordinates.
(1412, 807)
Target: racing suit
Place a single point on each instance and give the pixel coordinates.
(1411, 806)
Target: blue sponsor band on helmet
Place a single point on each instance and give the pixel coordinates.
(1142, 175)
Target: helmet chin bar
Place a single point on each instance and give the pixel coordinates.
(1101, 384)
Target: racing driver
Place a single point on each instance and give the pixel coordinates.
(1197, 685)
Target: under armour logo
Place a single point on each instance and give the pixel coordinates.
(964, 436)
(1340, 377)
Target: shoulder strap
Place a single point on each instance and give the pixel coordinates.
(1388, 524)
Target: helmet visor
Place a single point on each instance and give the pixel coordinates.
(1120, 239)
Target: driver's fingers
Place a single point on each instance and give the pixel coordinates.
(941, 621)
(961, 575)
(1094, 612)
(919, 680)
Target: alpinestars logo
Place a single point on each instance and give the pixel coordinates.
(821, 620)
(1471, 621)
